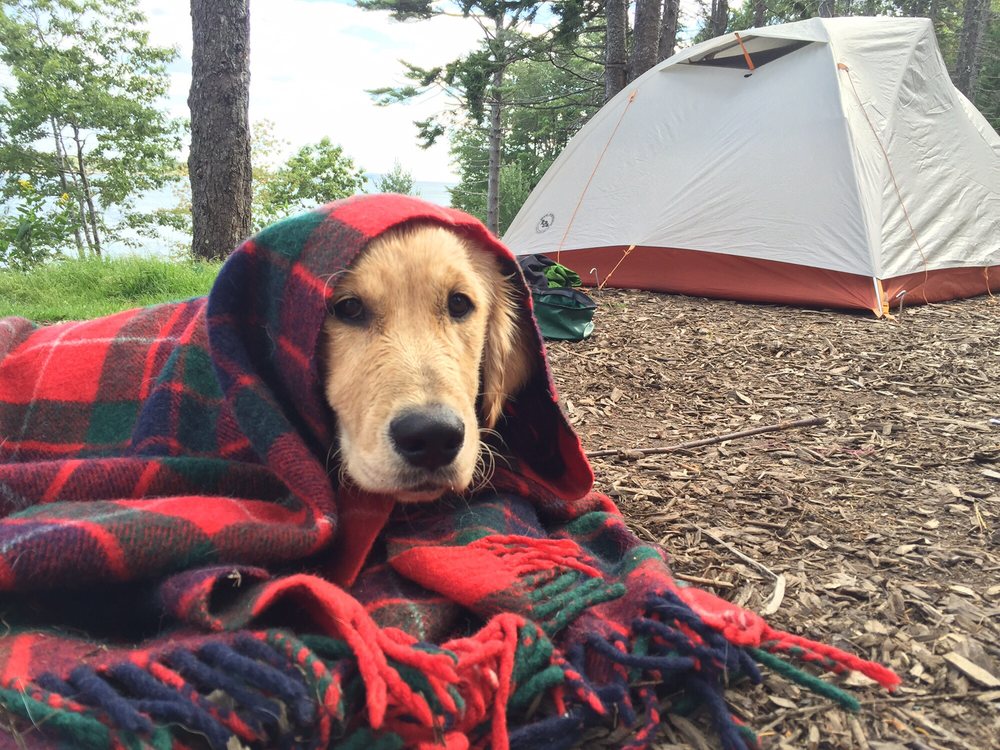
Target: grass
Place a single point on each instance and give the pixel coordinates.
(82, 289)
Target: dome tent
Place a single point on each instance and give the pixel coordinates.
(829, 162)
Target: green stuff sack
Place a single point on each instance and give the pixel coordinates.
(558, 276)
(564, 314)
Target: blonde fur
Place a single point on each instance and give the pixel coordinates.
(410, 352)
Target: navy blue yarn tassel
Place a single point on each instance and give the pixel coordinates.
(92, 690)
(729, 733)
(736, 659)
(163, 703)
(555, 733)
(266, 678)
(670, 663)
(206, 679)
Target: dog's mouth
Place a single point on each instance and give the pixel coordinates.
(425, 489)
(408, 484)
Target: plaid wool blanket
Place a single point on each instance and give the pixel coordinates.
(180, 569)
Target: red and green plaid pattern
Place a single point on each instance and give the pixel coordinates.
(181, 569)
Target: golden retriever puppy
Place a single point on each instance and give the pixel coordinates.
(424, 327)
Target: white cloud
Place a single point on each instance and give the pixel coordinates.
(310, 65)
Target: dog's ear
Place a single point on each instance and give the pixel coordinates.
(507, 360)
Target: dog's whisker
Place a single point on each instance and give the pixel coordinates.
(485, 432)
(485, 468)
(331, 456)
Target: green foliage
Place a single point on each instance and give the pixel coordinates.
(314, 175)
(80, 115)
(401, 10)
(34, 232)
(507, 38)
(988, 90)
(550, 99)
(396, 180)
(475, 82)
(82, 289)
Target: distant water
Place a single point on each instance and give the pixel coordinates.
(170, 241)
(435, 192)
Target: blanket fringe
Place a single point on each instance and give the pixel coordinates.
(271, 688)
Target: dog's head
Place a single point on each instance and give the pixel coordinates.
(424, 327)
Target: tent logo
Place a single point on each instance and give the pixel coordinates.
(544, 223)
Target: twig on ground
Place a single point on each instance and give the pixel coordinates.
(748, 560)
(715, 582)
(915, 698)
(629, 454)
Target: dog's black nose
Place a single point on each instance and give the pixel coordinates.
(429, 438)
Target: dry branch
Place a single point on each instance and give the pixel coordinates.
(640, 452)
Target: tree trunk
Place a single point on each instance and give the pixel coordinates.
(496, 134)
(614, 46)
(63, 169)
(668, 29)
(969, 43)
(646, 37)
(219, 161)
(827, 8)
(88, 195)
(719, 19)
(496, 141)
(759, 13)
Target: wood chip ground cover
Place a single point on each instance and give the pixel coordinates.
(883, 523)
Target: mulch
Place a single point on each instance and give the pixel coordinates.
(877, 531)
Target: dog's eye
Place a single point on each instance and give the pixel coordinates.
(459, 305)
(350, 309)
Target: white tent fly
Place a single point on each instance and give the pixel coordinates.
(827, 162)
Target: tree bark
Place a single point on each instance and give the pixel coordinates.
(759, 13)
(668, 29)
(88, 195)
(719, 19)
(827, 9)
(614, 44)
(219, 160)
(646, 37)
(969, 43)
(496, 134)
(496, 142)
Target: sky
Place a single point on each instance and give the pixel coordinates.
(311, 62)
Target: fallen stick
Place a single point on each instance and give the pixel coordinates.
(745, 558)
(629, 453)
(704, 581)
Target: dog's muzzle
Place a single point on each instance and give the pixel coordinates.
(429, 437)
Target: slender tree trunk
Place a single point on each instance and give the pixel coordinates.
(614, 47)
(496, 134)
(63, 169)
(668, 29)
(646, 37)
(759, 13)
(496, 142)
(969, 44)
(719, 19)
(88, 195)
(219, 160)
(827, 8)
(82, 207)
